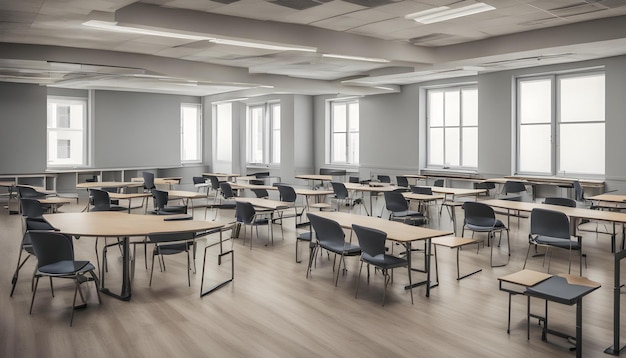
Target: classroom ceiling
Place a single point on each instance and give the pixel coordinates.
(186, 46)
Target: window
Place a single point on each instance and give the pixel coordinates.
(67, 131)
(190, 133)
(344, 131)
(452, 121)
(223, 114)
(561, 124)
(264, 133)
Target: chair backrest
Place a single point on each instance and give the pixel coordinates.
(579, 193)
(28, 192)
(438, 182)
(353, 179)
(257, 182)
(426, 190)
(384, 178)
(402, 181)
(287, 193)
(261, 193)
(244, 212)
(227, 190)
(326, 230)
(339, 189)
(479, 214)
(215, 182)
(560, 201)
(160, 198)
(485, 185)
(32, 208)
(514, 187)
(198, 180)
(171, 236)
(148, 180)
(549, 223)
(371, 241)
(262, 175)
(101, 200)
(51, 247)
(395, 201)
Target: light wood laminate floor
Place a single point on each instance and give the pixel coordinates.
(272, 310)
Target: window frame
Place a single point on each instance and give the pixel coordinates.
(198, 133)
(555, 122)
(461, 126)
(85, 130)
(354, 158)
(270, 134)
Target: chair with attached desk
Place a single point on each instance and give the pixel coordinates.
(330, 236)
(171, 244)
(480, 217)
(549, 228)
(372, 244)
(55, 259)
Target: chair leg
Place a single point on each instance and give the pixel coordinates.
(32, 300)
(17, 270)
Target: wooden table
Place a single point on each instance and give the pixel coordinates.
(314, 177)
(396, 231)
(119, 185)
(123, 226)
(186, 196)
(169, 181)
(228, 177)
(54, 202)
(371, 189)
(614, 201)
(129, 197)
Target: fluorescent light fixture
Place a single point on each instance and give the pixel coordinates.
(264, 46)
(356, 58)
(230, 100)
(444, 13)
(113, 26)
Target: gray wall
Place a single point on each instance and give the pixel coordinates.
(137, 129)
(22, 128)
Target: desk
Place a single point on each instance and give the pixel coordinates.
(375, 188)
(562, 288)
(614, 199)
(313, 177)
(186, 196)
(396, 231)
(228, 177)
(119, 185)
(169, 181)
(307, 193)
(10, 185)
(54, 202)
(129, 197)
(119, 225)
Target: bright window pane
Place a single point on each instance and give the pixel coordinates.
(470, 107)
(452, 108)
(536, 101)
(470, 147)
(256, 135)
(191, 133)
(339, 118)
(452, 141)
(534, 147)
(353, 148)
(67, 138)
(582, 99)
(435, 108)
(353, 114)
(339, 152)
(435, 146)
(582, 148)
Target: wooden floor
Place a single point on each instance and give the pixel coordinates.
(272, 310)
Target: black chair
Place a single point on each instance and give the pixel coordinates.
(330, 236)
(161, 199)
(372, 244)
(560, 201)
(398, 208)
(288, 194)
(341, 194)
(424, 190)
(261, 193)
(171, 244)
(384, 179)
(488, 186)
(225, 198)
(353, 179)
(32, 216)
(148, 181)
(551, 228)
(438, 183)
(246, 215)
(102, 201)
(29, 193)
(201, 184)
(55, 259)
(513, 187)
(402, 181)
(480, 217)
